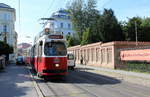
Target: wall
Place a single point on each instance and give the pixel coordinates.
(103, 54)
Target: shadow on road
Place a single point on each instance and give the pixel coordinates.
(80, 76)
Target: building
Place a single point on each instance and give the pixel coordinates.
(23, 49)
(7, 28)
(60, 22)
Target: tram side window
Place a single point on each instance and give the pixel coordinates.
(40, 50)
(55, 49)
(36, 50)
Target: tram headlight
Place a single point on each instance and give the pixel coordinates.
(56, 65)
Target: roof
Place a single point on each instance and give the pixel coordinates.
(62, 13)
(2, 5)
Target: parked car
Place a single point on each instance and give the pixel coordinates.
(71, 61)
(20, 60)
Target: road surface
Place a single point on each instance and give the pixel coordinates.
(82, 83)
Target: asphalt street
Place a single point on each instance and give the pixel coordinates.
(81, 83)
(15, 81)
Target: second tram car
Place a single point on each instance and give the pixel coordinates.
(49, 55)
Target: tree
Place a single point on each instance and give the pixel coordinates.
(72, 40)
(91, 26)
(109, 27)
(84, 16)
(129, 29)
(5, 48)
(77, 13)
(86, 37)
(92, 16)
(145, 26)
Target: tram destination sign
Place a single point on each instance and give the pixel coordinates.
(55, 36)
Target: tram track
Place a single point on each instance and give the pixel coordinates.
(123, 88)
(69, 90)
(53, 91)
(86, 84)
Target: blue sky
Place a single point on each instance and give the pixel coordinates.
(33, 10)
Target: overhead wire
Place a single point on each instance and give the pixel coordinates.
(63, 4)
(49, 7)
(107, 2)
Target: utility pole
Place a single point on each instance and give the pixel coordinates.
(19, 17)
(136, 38)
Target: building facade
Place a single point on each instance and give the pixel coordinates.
(60, 22)
(7, 28)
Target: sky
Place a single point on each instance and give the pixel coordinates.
(32, 10)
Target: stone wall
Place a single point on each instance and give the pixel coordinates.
(103, 54)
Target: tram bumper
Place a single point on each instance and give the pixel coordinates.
(54, 72)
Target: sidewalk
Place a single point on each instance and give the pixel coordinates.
(15, 81)
(133, 77)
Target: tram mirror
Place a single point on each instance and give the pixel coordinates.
(41, 43)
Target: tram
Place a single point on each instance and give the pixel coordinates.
(49, 54)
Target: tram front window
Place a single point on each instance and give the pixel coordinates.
(55, 49)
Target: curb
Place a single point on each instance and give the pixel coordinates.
(38, 90)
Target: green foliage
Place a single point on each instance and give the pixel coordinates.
(77, 12)
(5, 48)
(86, 37)
(109, 28)
(72, 40)
(137, 67)
(145, 27)
(92, 26)
(129, 29)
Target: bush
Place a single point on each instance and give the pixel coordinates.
(137, 66)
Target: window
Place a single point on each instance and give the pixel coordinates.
(55, 49)
(70, 57)
(69, 25)
(61, 25)
(5, 28)
(5, 16)
(69, 17)
(40, 52)
(52, 25)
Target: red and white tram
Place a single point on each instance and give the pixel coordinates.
(49, 55)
